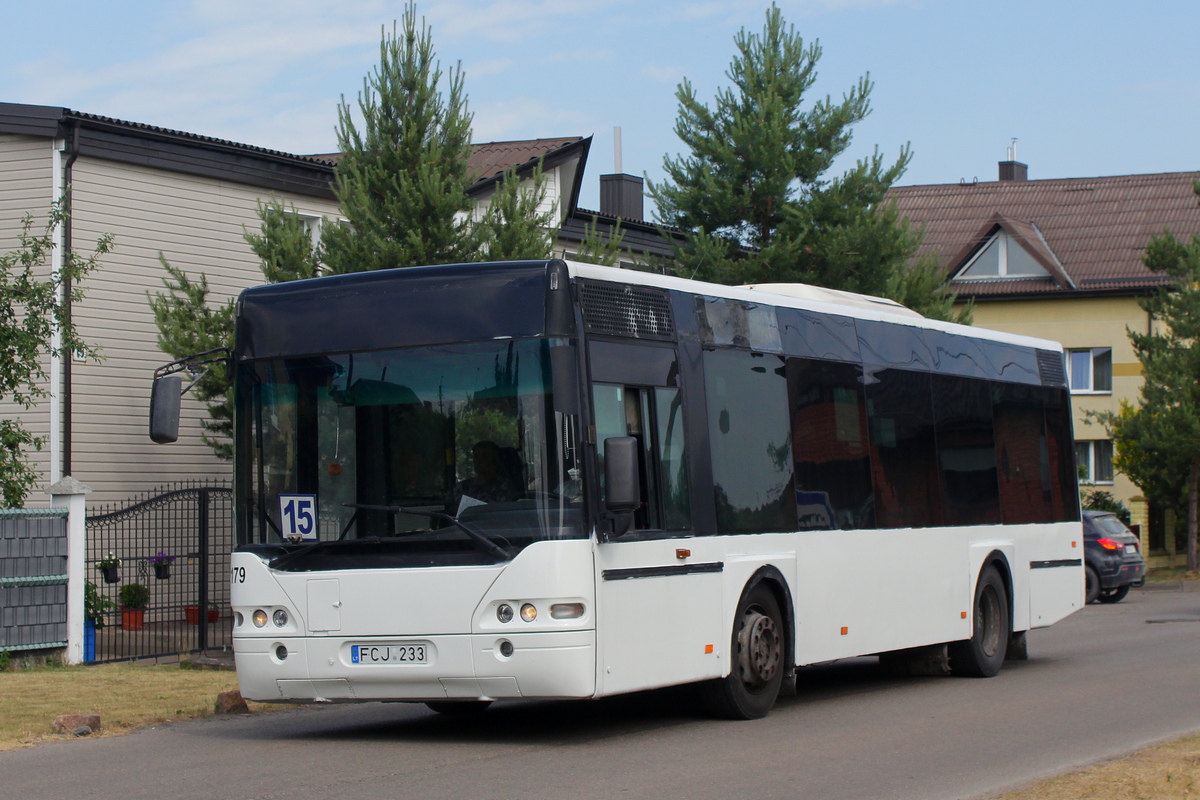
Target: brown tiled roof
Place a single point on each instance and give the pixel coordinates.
(493, 158)
(1089, 232)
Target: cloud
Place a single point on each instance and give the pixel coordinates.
(491, 66)
(667, 74)
(527, 117)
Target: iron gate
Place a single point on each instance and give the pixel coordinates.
(174, 543)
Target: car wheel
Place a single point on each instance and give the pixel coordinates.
(982, 655)
(1093, 585)
(460, 708)
(757, 650)
(1114, 595)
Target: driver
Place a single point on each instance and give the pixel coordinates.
(489, 484)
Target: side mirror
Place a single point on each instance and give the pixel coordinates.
(622, 491)
(164, 409)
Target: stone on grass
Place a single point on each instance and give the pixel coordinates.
(71, 723)
(82, 730)
(231, 702)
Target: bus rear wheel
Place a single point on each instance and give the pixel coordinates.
(982, 655)
(758, 653)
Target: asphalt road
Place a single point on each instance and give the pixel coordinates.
(1104, 682)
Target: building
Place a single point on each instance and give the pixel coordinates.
(189, 198)
(1062, 259)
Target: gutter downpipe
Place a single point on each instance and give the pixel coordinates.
(73, 153)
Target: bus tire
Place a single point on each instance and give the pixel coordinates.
(982, 655)
(459, 708)
(757, 650)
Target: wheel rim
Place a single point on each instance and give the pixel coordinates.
(759, 651)
(987, 620)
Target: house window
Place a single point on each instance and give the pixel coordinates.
(1002, 257)
(1090, 370)
(1094, 461)
(312, 226)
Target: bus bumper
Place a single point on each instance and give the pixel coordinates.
(553, 664)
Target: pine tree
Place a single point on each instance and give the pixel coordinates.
(512, 227)
(284, 244)
(31, 311)
(752, 192)
(1158, 441)
(402, 180)
(599, 248)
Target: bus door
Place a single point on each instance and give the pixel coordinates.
(659, 594)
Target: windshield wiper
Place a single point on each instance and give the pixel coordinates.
(289, 557)
(473, 533)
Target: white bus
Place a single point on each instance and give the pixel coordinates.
(467, 483)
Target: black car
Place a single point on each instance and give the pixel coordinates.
(1112, 557)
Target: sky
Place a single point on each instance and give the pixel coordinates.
(1087, 87)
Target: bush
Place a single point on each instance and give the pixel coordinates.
(133, 595)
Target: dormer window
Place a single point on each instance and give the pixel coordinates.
(1002, 257)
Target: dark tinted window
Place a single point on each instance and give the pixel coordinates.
(736, 323)
(1064, 481)
(885, 346)
(750, 442)
(829, 445)
(814, 335)
(958, 355)
(966, 450)
(903, 456)
(1022, 455)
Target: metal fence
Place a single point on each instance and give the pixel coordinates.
(33, 579)
(173, 549)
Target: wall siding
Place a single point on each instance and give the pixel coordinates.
(27, 178)
(197, 224)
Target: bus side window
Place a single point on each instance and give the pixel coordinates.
(654, 417)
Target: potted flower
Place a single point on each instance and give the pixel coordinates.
(193, 613)
(95, 605)
(110, 567)
(133, 598)
(162, 564)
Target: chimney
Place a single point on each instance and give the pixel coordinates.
(620, 194)
(1013, 170)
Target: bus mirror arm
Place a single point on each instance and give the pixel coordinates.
(168, 389)
(621, 485)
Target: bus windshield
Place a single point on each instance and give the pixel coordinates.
(424, 456)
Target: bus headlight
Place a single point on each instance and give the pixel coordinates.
(280, 618)
(504, 613)
(528, 612)
(259, 618)
(566, 610)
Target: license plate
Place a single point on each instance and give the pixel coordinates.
(389, 654)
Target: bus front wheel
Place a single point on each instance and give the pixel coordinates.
(982, 655)
(758, 653)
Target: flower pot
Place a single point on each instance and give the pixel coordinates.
(214, 614)
(111, 574)
(89, 640)
(193, 614)
(162, 571)
(132, 618)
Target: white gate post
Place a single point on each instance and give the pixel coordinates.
(69, 493)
